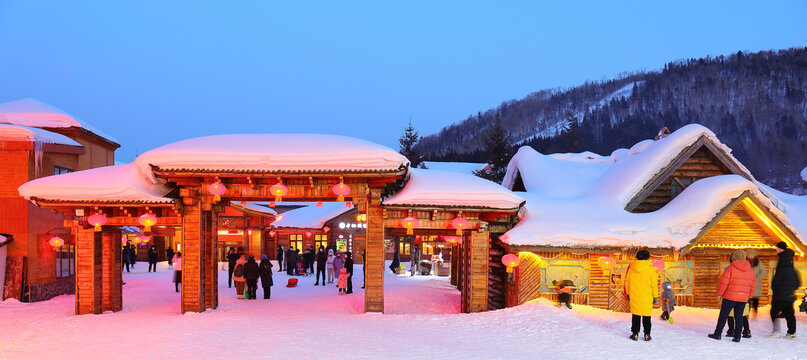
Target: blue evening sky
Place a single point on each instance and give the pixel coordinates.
(153, 72)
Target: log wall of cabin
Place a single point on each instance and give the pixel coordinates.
(497, 278)
(701, 164)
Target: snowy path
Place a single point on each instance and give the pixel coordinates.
(422, 322)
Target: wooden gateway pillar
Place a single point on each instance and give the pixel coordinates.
(199, 276)
(98, 270)
(475, 262)
(374, 247)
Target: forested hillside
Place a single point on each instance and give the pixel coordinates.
(755, 102)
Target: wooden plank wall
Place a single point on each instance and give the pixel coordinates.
(111, 270)
(707, 272)
(455, 256)
(211, 264)
(497, 278)
(88, 272)
(478, 271)
(193, 289)
(374, 275)
(599, 288)
(529, 278)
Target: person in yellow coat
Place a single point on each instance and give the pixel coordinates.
(641, 289)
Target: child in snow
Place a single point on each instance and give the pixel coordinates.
(667, 302)
(238, 276)
(730, 322)
(341, 282)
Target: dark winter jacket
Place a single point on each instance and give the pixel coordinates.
(232, 258)
(667, 298)
(322, 258)
(415, 256)
(169, 254)
(280, 254)
(251, 271)
(396, 262)
(265, 269)
(153, 254)
(785, 280)
(349, 266)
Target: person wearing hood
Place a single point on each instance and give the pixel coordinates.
(667, 301)
(341, 282)
(322, 258)
(736, 286)
(280, 254)
(152, 258)
(238, 276)
(329, 266)
(338, 263)
(232, 258)
(760, 272)
(641, 289)
(265, 270)
(169, 254)
(251, 273)
(784, 284)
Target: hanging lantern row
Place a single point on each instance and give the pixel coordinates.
(97, 221)
(279, 190)
(460, 224)
(216, 189)
(409, 223)
(341, 190)
(56, 242)
(147, 220)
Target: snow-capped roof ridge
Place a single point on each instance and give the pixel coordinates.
(268, 153)
(34, 113)
(311, 216)
(26, 133)
(453, 189)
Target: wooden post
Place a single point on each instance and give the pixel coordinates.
(88, 271)
(193, 258)
(478, 271)
(374, 273)
(111, 269)
(211, 264)
(455, 264)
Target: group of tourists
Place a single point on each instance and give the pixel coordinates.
(129, 257)
(244, 271)
(739, 291)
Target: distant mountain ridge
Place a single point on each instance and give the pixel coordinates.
(756, 103)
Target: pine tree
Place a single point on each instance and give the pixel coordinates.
(498, 150)
(407, 143)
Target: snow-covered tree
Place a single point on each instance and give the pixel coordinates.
(407, 143)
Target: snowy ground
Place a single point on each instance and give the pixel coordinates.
(422, 322)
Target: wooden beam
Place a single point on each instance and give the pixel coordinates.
(374, 247)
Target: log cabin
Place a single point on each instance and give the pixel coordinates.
(38, 140)
(682, 196)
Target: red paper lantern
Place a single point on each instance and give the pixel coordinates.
(136, 239)
(307, 234)
(607, 264)
(56, 242)
(452, 239)
(144, 239)
(147, 220)
(341, 190)
(272, 233)
(278, 190)
(510, 261)
(460, 224)
(409, 223)
(658, 264)
(217, 189)
(97, 221)
(326, 229)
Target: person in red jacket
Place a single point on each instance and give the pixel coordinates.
(737, 285)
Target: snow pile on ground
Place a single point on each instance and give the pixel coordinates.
(273, 153)
(311, 216)
(25, 133)
(34, 113)
(422, 321)
(578, 200)
(461, 167)
(444, 188)
(118, 183)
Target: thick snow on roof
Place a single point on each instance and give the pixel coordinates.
(445, 188)
(794, 207)
(804, 173)
(273, 153)
(311, 216)
(25, 133)
(461, 167)
(119, 183)
(34, 113)
(254, 206)
(579, 199)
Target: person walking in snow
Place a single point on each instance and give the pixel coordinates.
(338, 263)
(312, 255)
(730, 322)
(238, 276)
(232, 258)
(736, 286)
(169, 254)
(760, 272)
(413, 263)
(667, 301)
(265, 270)
(152, 258)
(784, 284)
(349, 269)
(280, 254)
(125, 253)
(396, 262)
(341, 282)
(132, 256)
(251, 274)
(329, 266)
(641, 289)
(321, 259)
(177, 260)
